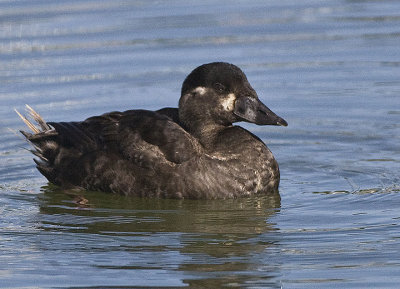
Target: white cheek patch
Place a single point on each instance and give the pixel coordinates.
(197, 91)
(200, 90)
(228, 103)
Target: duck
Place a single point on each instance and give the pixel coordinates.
(190, 152)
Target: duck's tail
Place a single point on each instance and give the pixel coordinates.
(36, 117)
(42, 140)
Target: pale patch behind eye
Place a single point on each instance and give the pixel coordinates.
(228, 103)
(200, 90)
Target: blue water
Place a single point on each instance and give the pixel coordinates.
(330, 68)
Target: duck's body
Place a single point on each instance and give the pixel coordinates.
(190, 152)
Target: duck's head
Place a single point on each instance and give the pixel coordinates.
(219, 93)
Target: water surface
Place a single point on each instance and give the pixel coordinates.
(330, 68)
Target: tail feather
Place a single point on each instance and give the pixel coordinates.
(43, 125)
(28, 123)
(38, 133)
(56, 147)
(26, 134)
(48, 172)
(38, 152)
(41, 138)
(37, 118)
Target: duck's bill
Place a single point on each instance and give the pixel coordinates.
(251, 109)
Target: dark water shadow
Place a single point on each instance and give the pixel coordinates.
(212, 243)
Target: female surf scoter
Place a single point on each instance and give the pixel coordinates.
(192, 151)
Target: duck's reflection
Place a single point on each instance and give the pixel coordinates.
(213, 239)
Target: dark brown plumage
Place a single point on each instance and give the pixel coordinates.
(192, 151)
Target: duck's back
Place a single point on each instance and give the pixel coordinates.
(130, 152)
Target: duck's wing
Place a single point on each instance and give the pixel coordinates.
(138, 138)
(143, 136)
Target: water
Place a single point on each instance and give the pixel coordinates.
(330, 68)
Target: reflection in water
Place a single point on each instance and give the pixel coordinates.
(219, 241)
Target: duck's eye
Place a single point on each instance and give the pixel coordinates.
(219, 87)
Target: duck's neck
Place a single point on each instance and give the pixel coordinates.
(206, 133)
